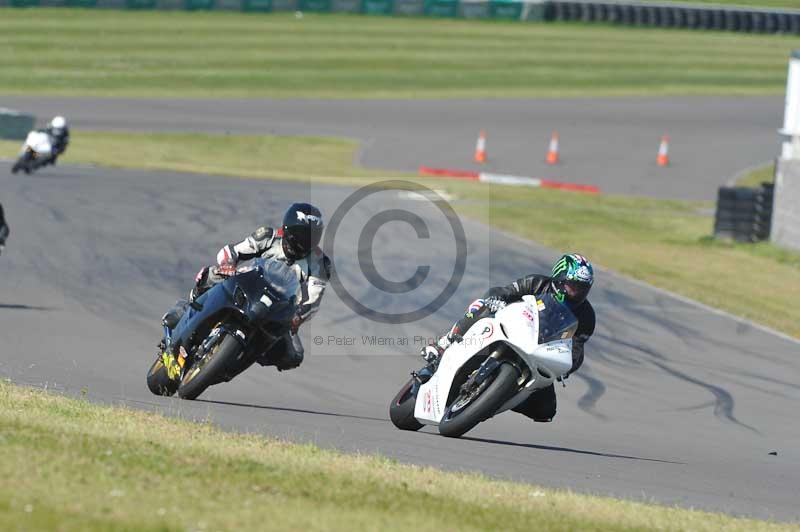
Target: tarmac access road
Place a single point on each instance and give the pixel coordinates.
(608, 142)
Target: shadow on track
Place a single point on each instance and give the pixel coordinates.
(23, 307)
(568, 450)
(293, 410)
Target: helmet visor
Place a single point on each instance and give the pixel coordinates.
(576, 291)
(302, 239)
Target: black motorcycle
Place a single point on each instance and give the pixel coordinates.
(224, 331)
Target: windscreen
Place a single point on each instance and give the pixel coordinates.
(556, 322)
(282, 281)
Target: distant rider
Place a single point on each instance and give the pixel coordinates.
(3, 230)
(296, 243)
(59, 133)
(572, 278)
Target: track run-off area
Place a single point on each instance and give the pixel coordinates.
(676, 404)
(607, 142)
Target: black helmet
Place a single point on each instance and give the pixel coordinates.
(302, 230)
(573, 277)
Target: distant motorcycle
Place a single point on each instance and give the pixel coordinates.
(224, 331)
(499, 363)
(37, 151)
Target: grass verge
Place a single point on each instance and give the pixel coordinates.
(68, 464)
(662, 242)
(223, 54)
(275, 157)
(755, 177)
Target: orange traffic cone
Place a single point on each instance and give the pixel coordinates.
(663, 152)
(480, 148)
(552, 152)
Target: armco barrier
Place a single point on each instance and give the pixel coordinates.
(15, 125)
(626, 12)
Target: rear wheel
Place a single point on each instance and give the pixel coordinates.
(401, 410)
(210, 369)
(479, 404)
(158, 381)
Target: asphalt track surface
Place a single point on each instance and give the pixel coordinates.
(675, 404)
(611, 143)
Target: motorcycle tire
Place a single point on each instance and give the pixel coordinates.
(158, 381)
(401, 409)
(211, 369)
(484, 406)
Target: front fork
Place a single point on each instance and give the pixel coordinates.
(174, 365)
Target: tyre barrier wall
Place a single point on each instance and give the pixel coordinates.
(675, 15)
(631, 13)
(15, 125)
(744, 214)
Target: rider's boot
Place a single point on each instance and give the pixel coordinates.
(432, 354)
(292, 355)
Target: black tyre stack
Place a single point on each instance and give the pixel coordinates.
(675, 15)
(744, 214)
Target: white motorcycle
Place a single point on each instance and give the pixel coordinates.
(499, 363)
(36, 151)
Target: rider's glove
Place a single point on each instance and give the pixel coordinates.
(225, 270)
(494, 303)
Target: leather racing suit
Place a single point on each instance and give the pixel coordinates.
(313, 272)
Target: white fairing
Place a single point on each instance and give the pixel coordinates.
(39, 142)
(517, 326)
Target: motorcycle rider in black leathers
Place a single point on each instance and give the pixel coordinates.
(4, 231)
(572, 278)
(296, 243)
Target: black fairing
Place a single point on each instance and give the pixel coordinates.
(240, 302)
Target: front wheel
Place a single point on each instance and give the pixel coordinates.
(210, 369)
(401, 410)
(158, 381)
(474, 406)
(23, 163)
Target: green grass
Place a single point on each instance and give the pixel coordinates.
(68, 464)
(759, 175)
(664, 243)
(288, 158)
(181, 54)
